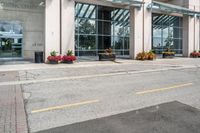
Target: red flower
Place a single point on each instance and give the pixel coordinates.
(54, 58)
(195, 54)
(68, 58)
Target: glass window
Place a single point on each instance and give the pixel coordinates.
(126, 31)
(118, 14)
(11, 39)
(167, 33)
(175, 22)
(167, 42)
(101, 27)
(85, 10)
(104, 42)
(157, 45)
(87, 42)
(105, 13)
(118, 42)
(87, 26)
(76, 26)
(91, 12)
(118, 30)
(177, 32)
(126, 43)
(157, 32)
(104, 27)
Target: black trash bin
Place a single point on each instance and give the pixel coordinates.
(39, 57)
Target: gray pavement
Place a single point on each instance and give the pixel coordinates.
(115, 94)
(173, 117)
(60, 95)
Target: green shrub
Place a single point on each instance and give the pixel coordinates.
(53, 53)
(69, 53)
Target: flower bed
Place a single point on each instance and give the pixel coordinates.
(146, 56)
(195, 54)
(108, 55)
(54, 58)
(69, 57)
(168, 54)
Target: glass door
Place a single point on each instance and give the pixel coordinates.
(11, 39)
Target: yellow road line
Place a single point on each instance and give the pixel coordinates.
(64, 106)
(163, 89)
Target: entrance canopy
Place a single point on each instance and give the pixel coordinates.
(135, 3)
(172, 8)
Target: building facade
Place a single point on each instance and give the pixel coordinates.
(89, 26)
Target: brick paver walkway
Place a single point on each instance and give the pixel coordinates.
(12, 112)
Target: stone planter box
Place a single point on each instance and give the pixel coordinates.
(67, 62)
(168, 56)
(107, 57)
(53, 62)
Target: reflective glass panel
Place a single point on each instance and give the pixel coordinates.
(87, 26)
(167, 33)
(101, 27)
(157, 31)
(104, 27)
(11, 39)
(87, 42)
(118, 42)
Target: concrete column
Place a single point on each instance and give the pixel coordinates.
(52, 26)
(190, 31)
(197, 27)
(135, 32)
(147, 27)
(68, 26)
(141, 29)
(188, 35)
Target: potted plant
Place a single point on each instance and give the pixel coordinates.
(151, 55)
(195, 54)
(146, 56)
(108, 55)
(53, 58)
(168, 53)
(141, 56)
(69, 57)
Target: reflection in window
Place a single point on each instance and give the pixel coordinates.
(101, 27)
(11, 38)
(87, 26)
(167, 33)
(87, 42)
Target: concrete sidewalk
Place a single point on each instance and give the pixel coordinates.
(160, 62)
(12, 112)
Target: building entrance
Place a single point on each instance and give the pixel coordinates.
(11, 39)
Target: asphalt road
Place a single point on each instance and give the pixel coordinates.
(66, 101)
(173, 117)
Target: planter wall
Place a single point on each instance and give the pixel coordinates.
(107, 57)
(168, 56)
(68, 62)
(53, 62)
